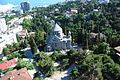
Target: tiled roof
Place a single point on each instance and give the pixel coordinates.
(7, 64)
(117, 48)
(21, 74)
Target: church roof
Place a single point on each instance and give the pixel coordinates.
(57, 28)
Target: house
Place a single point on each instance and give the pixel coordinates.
(84, 1)
(71, 11)
(103, 1)
(116, 54)
(57, 40)
(21, 74)
(22, 34)
(8, 64)
(117, 50)
(3, 26)
(94, 36)
(1, 56)
(74, 11)
(31, 33)
(9, 37)
(117, 10)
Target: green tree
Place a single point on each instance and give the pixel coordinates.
(44, 63)
(18, 38)
(91, 67)
(103, 48)
(39, 37)
(57, 55)
(6, 51)
(10, 47)
(15, 46)
(33, 45)
(15, 55)
(37, 78)
(27, 23)
(22, 63)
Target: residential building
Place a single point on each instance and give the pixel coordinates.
(95, 35)
(84, 1)
(22, 34)
(31, 33)
(25, 6)
(18, 12)
(8, 64)
(74, 11)
(71, 12)
(117, 50)
(103, 1)
(117, 10)
(116, 54)
(7, 38)
(18, 21)
(21, 74)
(57, 40)
(3, 26)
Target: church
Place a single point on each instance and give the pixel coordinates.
(56, 40)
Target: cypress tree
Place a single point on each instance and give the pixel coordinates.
(33, 45)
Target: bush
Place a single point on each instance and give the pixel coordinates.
(28, 64)
(64, 64)
(15, 55)
(56, 56)
(37, 78)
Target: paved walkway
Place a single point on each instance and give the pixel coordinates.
(64, 75)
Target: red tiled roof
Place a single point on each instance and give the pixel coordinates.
(7, 64)
(21, 74)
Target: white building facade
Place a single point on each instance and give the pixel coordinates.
(7, 39)
(103, 1)
(57, 40)
(8, 35)
(3, 26)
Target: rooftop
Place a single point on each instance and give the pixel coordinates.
(21, 74)
(7, 64)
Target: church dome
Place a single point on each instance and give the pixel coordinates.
(57, 28)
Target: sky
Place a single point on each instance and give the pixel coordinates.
(8, 4)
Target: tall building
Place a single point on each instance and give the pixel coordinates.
(57, 39)
(25, 6)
